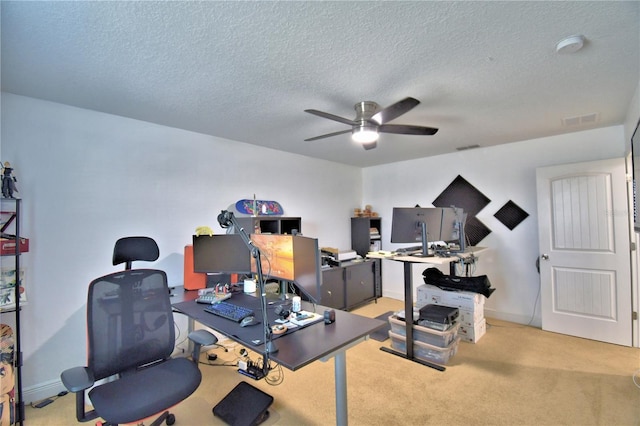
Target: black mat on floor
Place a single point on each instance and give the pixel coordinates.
(382, 333)
(245, 405)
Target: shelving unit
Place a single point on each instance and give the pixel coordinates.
(366, 236)
(10, 252)
(270, 224)
(365, 232)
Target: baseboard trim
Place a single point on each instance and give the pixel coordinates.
(42, 391)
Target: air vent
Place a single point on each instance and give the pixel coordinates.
(580, 120)
(464, 148)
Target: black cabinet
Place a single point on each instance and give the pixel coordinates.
(351, 284)
(333, 287)
(270, 224)
(365, 234)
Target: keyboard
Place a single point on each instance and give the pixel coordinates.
(210, 298)
(409, 249)
(229, 311)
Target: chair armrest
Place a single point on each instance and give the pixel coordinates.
(201, 338)
(77, 379)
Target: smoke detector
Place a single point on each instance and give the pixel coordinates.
(570, 44)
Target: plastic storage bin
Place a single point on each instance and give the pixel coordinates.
(425, 351)
(427, 335)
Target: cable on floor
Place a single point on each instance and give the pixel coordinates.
(43, 403)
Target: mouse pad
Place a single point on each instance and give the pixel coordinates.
(245, 405)
(252, 333)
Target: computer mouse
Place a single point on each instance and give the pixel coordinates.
(248, 321)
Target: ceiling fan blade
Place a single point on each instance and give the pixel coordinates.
(394, 111)
(403, 129)
(331, 116)
(328, 135)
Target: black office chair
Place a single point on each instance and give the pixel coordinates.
(131, 336)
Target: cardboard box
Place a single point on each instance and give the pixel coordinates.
(474, 333)
(430, 294)
(469, 317)
(8, 246)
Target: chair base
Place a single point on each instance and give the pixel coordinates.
(245, 405)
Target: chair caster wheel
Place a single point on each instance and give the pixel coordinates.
(171, 419)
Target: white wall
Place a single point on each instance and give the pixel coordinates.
(88, 178)
(502, 173)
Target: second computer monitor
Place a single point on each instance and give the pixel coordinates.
(226, 253)
(291, 258)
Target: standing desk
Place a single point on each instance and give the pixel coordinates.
(408, 261)
(296, 349)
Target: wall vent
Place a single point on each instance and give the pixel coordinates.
(464, 148)
(580, 120)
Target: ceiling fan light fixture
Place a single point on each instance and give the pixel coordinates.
(364, 134)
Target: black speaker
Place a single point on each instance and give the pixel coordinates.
(329, 316)
(282, 311)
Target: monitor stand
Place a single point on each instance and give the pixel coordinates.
(425, 242)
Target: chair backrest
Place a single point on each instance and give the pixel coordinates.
(130, 249)
(129, 321)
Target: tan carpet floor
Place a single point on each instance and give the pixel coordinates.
(515, 375)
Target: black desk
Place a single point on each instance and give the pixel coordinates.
(297, 349)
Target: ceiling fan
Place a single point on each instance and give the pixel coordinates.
(371, 120)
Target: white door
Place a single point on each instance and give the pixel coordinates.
(585, 269)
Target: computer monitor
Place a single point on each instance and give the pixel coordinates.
(416, 224)
(291, 258)
(226, 253)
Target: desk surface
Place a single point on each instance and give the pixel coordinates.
(435, 260)
(295, 349)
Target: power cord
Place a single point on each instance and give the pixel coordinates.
(636, 378)
(43, 403)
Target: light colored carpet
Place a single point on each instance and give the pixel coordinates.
(515, 375)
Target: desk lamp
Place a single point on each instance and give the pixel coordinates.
(227, 219)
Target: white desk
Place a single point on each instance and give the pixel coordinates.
(408, 261)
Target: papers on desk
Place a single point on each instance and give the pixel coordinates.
(305, 318)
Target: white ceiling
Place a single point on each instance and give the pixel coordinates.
(486, 72)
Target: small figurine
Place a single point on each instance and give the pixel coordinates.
(8, 181)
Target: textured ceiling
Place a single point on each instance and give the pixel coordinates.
(486, 73)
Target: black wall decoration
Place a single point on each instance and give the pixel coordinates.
(511, 215)
(461, 193)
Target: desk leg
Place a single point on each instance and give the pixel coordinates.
(408, 319)
(340, 368)
(408, 308)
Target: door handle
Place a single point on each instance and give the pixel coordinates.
(545, 257)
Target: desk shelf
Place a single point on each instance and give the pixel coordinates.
(270, 224)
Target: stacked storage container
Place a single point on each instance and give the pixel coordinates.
(435, 342)
(470, 306)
